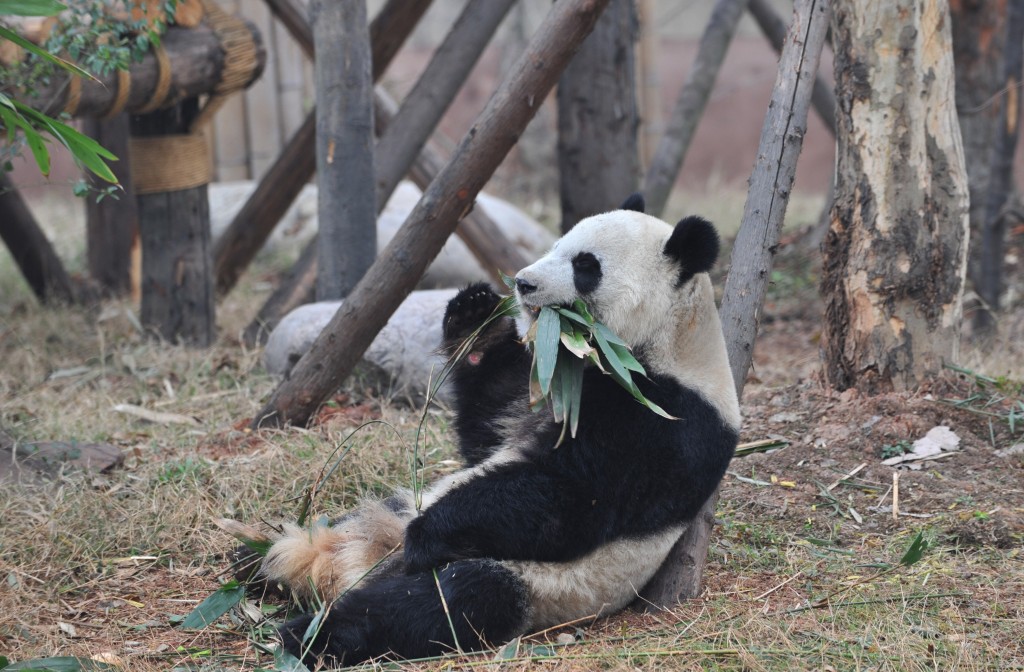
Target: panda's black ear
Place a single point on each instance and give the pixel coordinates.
(694, 244)
(635, 203)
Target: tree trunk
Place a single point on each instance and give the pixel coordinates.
(1000, 186)
(689, 106)
(781, 141)
(978, 46)
(30, 248)
(177, 266)
(347, 212)
(895, 254)
(112, 223)
(393, 276)
(598, 156)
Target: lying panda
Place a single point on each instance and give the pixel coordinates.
(528, 535)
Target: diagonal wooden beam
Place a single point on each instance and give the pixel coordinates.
(281, 184)
(394, 275)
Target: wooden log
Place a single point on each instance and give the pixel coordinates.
(1000, 184)
(598, 155)
(177, 267)
(281, 184)
(196, 59)
(434, 91)
(31, 249)
(394, 275)
(823, 98)
(690, 104)
(112, 223)
(752, 256)
(346, 207)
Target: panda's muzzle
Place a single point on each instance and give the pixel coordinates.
(525, 287)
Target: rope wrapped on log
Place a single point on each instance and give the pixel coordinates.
(240, 58)
(170, 162)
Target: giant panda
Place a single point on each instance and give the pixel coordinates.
(530, 535)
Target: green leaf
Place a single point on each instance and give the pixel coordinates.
(546, 347)
(509, 281)
(215, 606)
(509, 651)
(582, 309)
(915, 551)
(8, 34)
(627, 358)
(4, 662)
(575, 317)
(574, 386)
(575, 342)
(35, 141)
(58, 664)
(286, 662)
(258, 546)
(86, 150)
(30, 7)
(608, 334)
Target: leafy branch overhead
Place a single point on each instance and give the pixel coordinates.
(86, 33)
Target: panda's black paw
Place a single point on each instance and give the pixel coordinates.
(468, 310)
(424, 550)
(335, 644)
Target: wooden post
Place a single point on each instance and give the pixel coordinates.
(177, 267)
(823, 98)
(1000, 185)
(485, 240)
(689, 107)
(112, 223)
(434, 91)
(394, 275)
(598, 157)
(346, 207)
(30, 248)
(281, 184)
(752, 256)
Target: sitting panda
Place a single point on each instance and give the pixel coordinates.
(530, 535)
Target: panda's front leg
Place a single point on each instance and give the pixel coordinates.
(514, 511)
(491, 381)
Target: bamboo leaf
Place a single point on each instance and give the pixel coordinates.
(286, 662)
(916, 550)
(575, 342)
(582, 309)
(546, 347)
(575, 385)
(215, 606)
(608, 334)
(8, 34)
(627, 358)
(31, 7)
(575, 317)
(35, 141)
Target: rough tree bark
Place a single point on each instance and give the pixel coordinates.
(756, 243)
(346, 208)
(1000, 186)
(598, 155)
(896, 251)
(394, 275)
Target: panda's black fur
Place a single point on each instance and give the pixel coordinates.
(530, 533)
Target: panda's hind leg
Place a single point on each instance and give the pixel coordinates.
(491, 381)
(404, 615)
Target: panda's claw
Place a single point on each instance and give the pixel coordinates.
(468, 310)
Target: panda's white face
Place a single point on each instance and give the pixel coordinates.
(615, 262)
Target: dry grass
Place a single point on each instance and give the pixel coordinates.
(95, 564)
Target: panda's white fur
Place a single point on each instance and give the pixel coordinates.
(511, 551)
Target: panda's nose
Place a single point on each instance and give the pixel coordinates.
(525, 286)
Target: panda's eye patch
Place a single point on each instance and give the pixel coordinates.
(586, 272)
